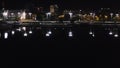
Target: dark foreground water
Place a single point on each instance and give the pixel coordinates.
(98, 41)
(74, 36)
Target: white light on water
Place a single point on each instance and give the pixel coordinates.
(47, 35)
(25, 34)
(49, 32)
(110, 33)
(24, 28)
(13, 32)
(93, 35)
(19, 29)
(70, 34)
(5, 35)
(90, 32)
(116, 35)
(30, 32)
(5, 13)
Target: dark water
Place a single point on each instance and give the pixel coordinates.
(62, 36)
(99, 41)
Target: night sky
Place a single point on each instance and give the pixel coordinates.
(14, 4)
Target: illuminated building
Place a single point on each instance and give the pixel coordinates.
(52, 8)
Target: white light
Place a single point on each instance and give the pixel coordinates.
(93, 35)
(91, 14)
(5, 13)
(30, 14)
(90, 32)
(49, 32)
(110, 33)
(12, 14)
(5, 35)
(70, 14)
(70, 34)
(116, 35)
(25, 34)
(47, 35)
(48, 13)
(19, 29)
(18, 13)
(13, 32)
(24, 28)
(111, 14)
(23, 16)
(30, 32)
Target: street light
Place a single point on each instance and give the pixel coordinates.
(111, 14)
(71, 14)
(48, 15)
(5, 14)
(93, 35)
(30, 14)
(23, 16)
(117, 15)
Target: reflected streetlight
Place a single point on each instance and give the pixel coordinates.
(71, 14)
(49, 32)
(19, 29)
(24, 28)
(90, 32)
(47, 35)
(13, 32)
(5, 35)
(25, 34)
(70, 34)
(30, 32)
(110, 33)
(116, 35)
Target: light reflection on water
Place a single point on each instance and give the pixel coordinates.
(59, 32)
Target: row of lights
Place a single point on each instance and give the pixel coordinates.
(110, 33)
(70, 34)
(115, 35)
